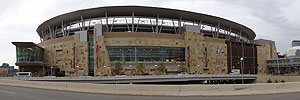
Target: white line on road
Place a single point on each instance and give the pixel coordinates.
(7, 92)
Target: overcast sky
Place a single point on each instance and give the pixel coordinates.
(277, 20)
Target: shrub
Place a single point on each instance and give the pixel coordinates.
(140, 69)
(269, 81)
(276, 81)
(161, 69)
(282, 81)
(118, 69)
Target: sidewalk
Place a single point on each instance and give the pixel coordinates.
(162, 90)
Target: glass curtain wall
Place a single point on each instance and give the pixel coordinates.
(32, 54)
(91, 53)
(146, 53)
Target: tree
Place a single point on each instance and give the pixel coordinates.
(140, 69)
(118, 69)
(182, 68)
(161, 69)
(269, 81)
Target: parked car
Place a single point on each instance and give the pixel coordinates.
(183, 73)
(121, 75)
(23, 74)
(146, 74)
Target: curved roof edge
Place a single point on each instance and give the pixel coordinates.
(143, 11)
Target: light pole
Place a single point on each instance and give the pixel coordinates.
(179, 70)
(77, 67)
(104, 70)
(51, 71)
(198, 69)
(241, 61)
(155, 68)
(218, 68)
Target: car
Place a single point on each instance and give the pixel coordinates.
(183, 73)
(121, 75)
(49, 76)
(146, 74)
(105, 75)
(235, 72)
(23, 74)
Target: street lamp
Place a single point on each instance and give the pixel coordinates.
(77, 67)
(104, 70)
(241, 61)
(198, 69)
(218, 68)
(51, 71)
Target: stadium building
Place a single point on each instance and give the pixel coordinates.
(136, 40)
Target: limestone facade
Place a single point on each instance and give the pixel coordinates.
(203, 55)
(68, 54)
(194, 44)
(266, 50)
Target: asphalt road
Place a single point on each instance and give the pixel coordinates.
(19, 93)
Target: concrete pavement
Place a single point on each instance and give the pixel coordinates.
(19, 93)
(165, 90)
(143, 79)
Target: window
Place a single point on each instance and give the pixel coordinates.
(205, 56)
(152, 70)
(129, 69)
(146, 54)
(29, 54)
(59, 50)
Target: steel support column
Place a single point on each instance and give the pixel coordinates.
(179, 25)
(240, 35)
(112, 25)
(106, 17)
(174, 26)
(218, 30)
(151, 25)
(50, 32)
(161, 25)
(127, 24)
(200, 26)
(132, 26)
(156, 27)
(229, 34)
(62, 28)
(82, 23)
(212, 32)
(137, 26)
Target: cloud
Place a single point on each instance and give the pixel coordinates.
(279, 20)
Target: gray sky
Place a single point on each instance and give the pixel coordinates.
(277, 20)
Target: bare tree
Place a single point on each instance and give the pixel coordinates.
(118, 69)
(140, 69)
(182, 68)
(161, 69)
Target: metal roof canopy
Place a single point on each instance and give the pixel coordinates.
(26, 44)
(31, 64)
(144, 11)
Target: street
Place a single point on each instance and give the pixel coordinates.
(19, 93)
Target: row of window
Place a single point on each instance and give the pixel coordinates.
(143, 53)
